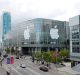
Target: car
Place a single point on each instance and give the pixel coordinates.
(22, 65)
(44, 68)
(62, 64)
(17, 57)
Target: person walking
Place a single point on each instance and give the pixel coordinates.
(32, 58)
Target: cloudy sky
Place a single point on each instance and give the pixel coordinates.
(28, 9)
(53, 9)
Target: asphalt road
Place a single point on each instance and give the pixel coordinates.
(31, 68)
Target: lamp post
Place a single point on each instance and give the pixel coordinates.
(17, 40)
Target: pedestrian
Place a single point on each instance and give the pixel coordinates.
(8, 73)
(32, 58)
(2, 61)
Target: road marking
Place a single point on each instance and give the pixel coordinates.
(24, 69)
(6, 67)
(16, 71)
(36, 73)
(31, 65)
(16, 66)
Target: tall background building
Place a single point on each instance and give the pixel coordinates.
(6, 17)
(6, 22)
(74, 23)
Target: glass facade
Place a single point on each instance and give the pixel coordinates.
(6, 22)
(39, 31)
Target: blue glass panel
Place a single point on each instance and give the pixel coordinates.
(6, 22)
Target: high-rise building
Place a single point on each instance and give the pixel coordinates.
(6, 18)
(6, 22)
(74, 23)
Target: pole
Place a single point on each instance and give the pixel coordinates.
(56, 54)
(17, 43)
(10, 58)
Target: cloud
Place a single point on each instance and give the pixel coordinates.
(28, 9)
(53, 9)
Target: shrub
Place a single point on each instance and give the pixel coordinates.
(64, 53)
(8, 50)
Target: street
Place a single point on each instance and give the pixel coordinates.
(31, 68)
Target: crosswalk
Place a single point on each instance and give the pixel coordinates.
(30, 67)
(29, 70)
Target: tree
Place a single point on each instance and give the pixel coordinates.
(64, 53)
(38, 55)
(8, 50)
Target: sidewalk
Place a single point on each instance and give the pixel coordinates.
(68, 69)
(2, 71)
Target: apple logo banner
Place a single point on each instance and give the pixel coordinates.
(54, 33)
(27, 33)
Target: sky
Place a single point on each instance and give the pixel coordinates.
(52, 9)
(28, 9)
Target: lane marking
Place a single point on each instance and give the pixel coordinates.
(6, 67)
(16, 71)
(27, 68)
(33, 71)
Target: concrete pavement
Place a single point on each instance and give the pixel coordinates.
(31, 68)
(68, 69)
(2, 71)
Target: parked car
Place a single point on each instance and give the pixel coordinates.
(43, 68)
(23, 66)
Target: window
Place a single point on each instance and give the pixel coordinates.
(75, 43)
(32, 42)
(76, 50)
(75, 35)
(41, 42)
